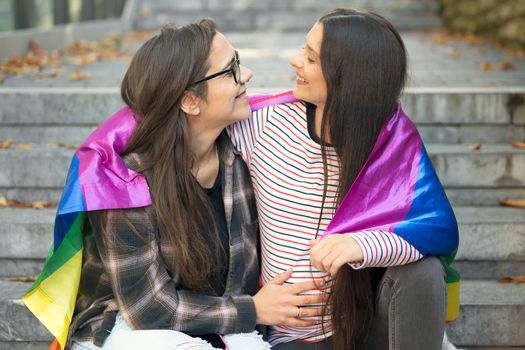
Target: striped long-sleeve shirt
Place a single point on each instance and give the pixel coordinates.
(286, 166)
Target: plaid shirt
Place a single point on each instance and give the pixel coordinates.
(133, 278)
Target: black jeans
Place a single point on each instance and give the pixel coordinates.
(409, 310)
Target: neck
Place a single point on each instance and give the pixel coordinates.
(203, 141)
(319, 122)
(206, 165)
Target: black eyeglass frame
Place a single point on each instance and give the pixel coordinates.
(235, 68)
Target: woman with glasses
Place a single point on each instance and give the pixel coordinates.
(342, 133)
(182, 270)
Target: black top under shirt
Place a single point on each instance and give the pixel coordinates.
(310, 121)
(217, 205)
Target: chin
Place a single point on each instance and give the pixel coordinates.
(300, 94)
(242, 113)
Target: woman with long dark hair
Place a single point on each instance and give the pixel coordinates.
(336, 147)
(168, 224)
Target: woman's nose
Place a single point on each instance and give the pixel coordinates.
(246, 74)
(296, 60)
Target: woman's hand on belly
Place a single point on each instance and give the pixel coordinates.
(279, 304)
(333, 251)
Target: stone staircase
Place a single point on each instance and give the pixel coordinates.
(492, 238)
(453, 104)
(287, 15)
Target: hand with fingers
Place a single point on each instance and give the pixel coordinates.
(333, 251)
(279, 304)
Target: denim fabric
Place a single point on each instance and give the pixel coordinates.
(409, 311)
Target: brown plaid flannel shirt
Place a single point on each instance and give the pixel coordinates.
(132, 277)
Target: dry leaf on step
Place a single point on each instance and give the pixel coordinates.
(518, 144)
(20, 279)
(517, 203)
(506, 65)
(42, 205)
(513, 279)
(475, 146)
(79, 75)
(486, 66)
(15, 203)
(25, 146)
(453, 52)
(6, 144)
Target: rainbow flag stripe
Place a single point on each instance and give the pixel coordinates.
(97, 179)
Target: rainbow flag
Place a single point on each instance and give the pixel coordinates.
(397, 190)
(97, 179)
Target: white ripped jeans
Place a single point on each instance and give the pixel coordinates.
(123, 337)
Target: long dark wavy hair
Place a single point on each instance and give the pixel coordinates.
(153, 87)
(364, 63)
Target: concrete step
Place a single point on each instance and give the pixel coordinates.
(475, 196)
(492, 241)
(19, 328)
(447, 133)
(492, 315)
(279, 15)
(43, 168)
(27, 235)
(433, 106)
(482, 196)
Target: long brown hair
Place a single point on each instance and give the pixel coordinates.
(364, 63)
(153, 87)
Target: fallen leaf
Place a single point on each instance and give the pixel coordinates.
(144, 12)
(480, 50)
(6, 144)
(473, 39)
(42, 205)
(506, 65)
(20, 279)
(440, 38)
(454, 53)
(475, 146)
(518, 144)
(513, 279)
(49, 75)
(25, 146)
(64, 145)
(486, 66)
(15, 203)
(138, 36)
(517, 203)
(79, 75)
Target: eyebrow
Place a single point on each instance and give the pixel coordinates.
(310, 48)
(229, 64)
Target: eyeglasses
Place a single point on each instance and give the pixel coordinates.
(234, 69)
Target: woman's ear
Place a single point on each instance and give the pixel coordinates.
(190, 104)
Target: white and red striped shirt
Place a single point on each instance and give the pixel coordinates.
(287, 172)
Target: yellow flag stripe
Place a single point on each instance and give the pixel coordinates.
(453, 292)
(53, 301)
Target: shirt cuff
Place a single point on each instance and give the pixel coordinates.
(383, 249)
(246, 315)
